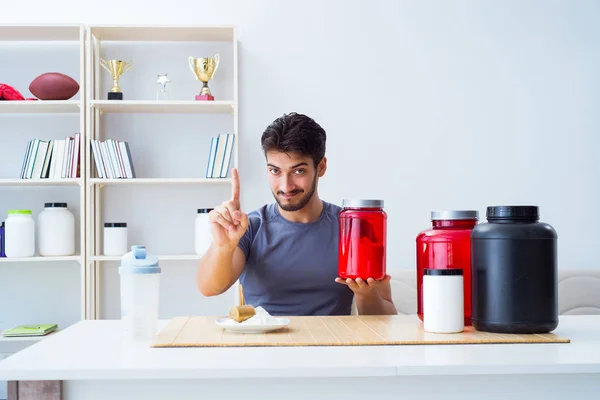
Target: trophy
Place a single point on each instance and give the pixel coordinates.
(162, 94)
(204, 69)
(116, 68)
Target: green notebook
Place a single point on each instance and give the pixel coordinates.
(30, 330)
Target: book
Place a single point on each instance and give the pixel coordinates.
(219, 156)
(30, 330)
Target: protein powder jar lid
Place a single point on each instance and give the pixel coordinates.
(362, 203)
(454, 215)
(115, 224)
(515, 213)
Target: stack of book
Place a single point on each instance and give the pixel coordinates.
(112, 159)
(219, 157)
(52, 159)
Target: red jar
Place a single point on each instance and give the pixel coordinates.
(447, 245)
(362, 240)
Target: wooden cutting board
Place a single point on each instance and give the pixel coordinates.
(331, 331)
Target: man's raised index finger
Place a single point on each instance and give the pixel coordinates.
(235, 184)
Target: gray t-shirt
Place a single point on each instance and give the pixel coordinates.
(291, 267)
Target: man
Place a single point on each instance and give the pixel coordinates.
(285, 253)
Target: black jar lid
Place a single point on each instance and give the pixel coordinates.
(57, 205)
(204, 210)
(444, 272)
(515, 213)
(115, 224)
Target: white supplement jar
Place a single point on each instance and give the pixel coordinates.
(56, 230)
(443, 301)
(19, 229)
(115, 238)
(202, 235)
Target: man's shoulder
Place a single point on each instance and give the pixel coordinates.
(331, 208)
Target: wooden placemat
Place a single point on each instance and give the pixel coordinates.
(331, 331)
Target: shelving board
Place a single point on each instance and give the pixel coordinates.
(40, 259)
(158, 181)
(40, 107)
(153, 106)
(41, 182)
(18, 32)
(161, 257)
(162, 33)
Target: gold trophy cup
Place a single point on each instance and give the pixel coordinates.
(204, 69)
(116, 68)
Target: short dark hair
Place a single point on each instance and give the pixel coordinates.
(295, 133)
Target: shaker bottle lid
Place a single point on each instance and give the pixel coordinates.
(60, 205)
(362, 203)
(138, 261)
(204, 210)
(19, 212)
(513, 212)
(454, 214)
(115, 224)
(446, 272)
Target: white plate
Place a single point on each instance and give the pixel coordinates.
(232, 326)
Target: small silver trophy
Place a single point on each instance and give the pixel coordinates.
(162, 94)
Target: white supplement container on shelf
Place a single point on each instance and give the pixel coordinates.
(140, 287)
(56, 230)
(115, 238)
(202, 234)
(19, 229)
(443, 301)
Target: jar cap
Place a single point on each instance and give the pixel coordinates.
(19, 212)
(445, 272)
(447, 215)
(204, 210)
(115, 224)
(369, 203)
(513, 213)
(139, 261)
(60, 205)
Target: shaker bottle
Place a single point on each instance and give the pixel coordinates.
(140, 283)
(362, 239)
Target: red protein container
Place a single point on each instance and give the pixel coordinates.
(447, 245)
(362, 239)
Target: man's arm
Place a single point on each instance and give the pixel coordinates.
(372, 297)
(224, 261)
(219, 268)
(377, 302)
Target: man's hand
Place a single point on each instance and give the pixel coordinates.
(360, 287)
(228, 222)
(373, 297)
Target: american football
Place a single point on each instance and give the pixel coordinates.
(54, 86)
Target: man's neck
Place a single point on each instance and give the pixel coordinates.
(311, 212)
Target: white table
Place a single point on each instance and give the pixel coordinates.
(95, 363)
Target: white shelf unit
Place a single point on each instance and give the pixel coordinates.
(139, 102)
(28, 39)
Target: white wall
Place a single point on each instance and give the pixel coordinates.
(445, 105)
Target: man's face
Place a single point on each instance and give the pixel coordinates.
(293, 179)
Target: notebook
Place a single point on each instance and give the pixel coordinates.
(30, 330)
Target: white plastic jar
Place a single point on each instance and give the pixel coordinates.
(443, 300)
(56, 230)
(115, 238)
(19, 230)
(202, 234)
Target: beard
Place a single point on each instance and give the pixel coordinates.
(300, 203)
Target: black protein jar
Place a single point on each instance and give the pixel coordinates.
(514, 272)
